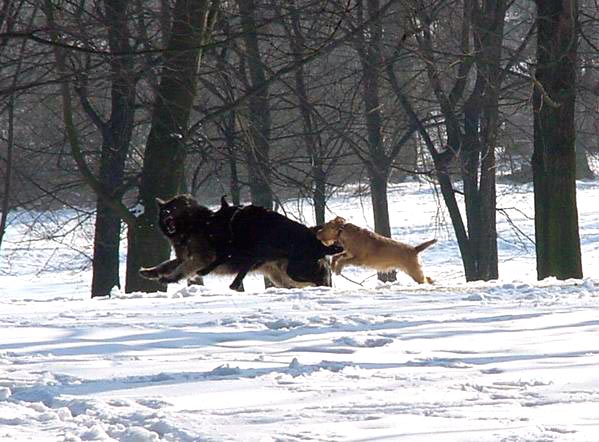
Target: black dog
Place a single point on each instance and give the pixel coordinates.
(200, 237)
(183, 221)
(251, 235)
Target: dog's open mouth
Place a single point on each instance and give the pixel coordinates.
(169, 223)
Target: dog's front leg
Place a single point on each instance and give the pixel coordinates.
(342, 260)
(160, 270)
(335, 262)
(238, 281)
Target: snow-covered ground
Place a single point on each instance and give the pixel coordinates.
(508, 360)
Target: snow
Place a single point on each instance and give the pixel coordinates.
(508, 360)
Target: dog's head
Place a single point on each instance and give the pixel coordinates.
(329, 232)
(176, 215)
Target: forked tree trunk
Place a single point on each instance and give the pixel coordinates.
(554, 157)
(483, 26)
(163, 165)
(116, 136)
(481, 120)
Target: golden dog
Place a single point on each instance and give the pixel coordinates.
(369, 249)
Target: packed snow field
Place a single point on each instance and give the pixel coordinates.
(508, 360)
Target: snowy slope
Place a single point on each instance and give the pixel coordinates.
(511, 360)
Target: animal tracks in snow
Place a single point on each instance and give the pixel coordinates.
(387, 362)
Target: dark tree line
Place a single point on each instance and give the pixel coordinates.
(110, 104)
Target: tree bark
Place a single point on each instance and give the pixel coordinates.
(554, 157)
(475, 145)
(229, 132)
(6, 21)
(110, 206)
(259, 118)
(379, 163)
(6, 191)
(481, 119)
(310, 137)
(163, 164)
(116, 136)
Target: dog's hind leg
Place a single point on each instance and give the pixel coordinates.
(276, 272)
(305, 270)
(213, 265)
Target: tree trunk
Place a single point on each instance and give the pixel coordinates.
(319, 192)
(481, 112)
(164, 156)
(258, 148)
(470, 160)
(234, 185)
(378, 167)
(554, 157)
(107, 235)
(483, 26)
(6, 191)
(116, 135)
(310, 137)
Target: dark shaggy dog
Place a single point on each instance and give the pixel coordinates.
(201, 237)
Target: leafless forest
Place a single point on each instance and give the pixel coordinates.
(106, 105)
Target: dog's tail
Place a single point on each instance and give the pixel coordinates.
(425, 245)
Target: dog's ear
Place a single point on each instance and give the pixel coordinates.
(223, 202)
(160, 202)
(339, 220)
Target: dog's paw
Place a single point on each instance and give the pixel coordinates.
(166, 280)
(236, 287)
(149, 273)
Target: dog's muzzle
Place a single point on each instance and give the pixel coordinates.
(169, 223)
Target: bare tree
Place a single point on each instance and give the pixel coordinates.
(554, 158)
(8, 12)
(8, 168)
(474, 141)
(311, 137)
(257, 122)
(116, 134)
